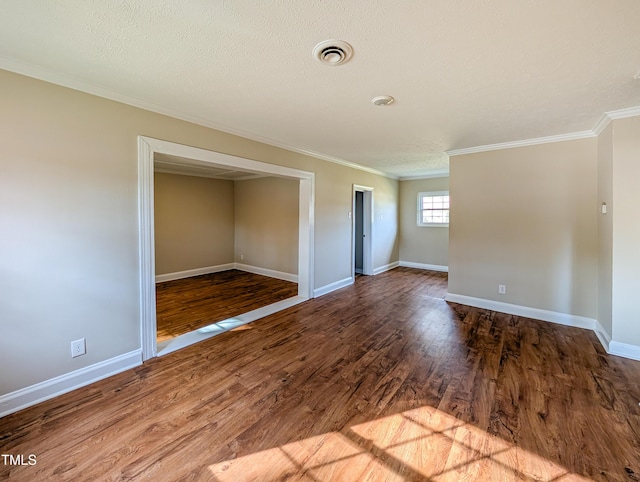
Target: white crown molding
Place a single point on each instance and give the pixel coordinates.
(523, 143)
(433, 175)
(624, 113)
(607, 117)
(63, 80)
(70, 82)
(602, 123)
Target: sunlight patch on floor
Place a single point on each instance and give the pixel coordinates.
(230, 324)
(419, 444)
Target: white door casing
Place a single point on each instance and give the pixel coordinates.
(187, 155)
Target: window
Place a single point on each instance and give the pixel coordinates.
(433, 208)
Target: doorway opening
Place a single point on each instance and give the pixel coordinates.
(192, 158)
(362, 231)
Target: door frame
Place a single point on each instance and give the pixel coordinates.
(367, 229)
(187, 155)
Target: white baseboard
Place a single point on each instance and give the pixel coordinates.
(603, 336)
(624, 350)
(29, 396)
(612, 347)
(525, 311)
(386, 267)
(225, 267)
(193, 272)
(267, 272)
(430, 267)
(336, 285)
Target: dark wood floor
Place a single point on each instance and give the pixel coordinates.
(383, 380)
(187, 304)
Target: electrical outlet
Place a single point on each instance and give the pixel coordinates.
(78, 347)
(241, 257)
(502, 289)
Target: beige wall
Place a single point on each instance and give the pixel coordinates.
(605, 228)
(266, 223)
(194, 222)
(68, 211)
(526, 218)
(386, 213)
(626, 231)
(333, 226)
(419, 244)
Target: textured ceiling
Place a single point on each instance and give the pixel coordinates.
(463, 73)
(191, 167)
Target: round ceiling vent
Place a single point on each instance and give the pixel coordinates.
(333, 52)
(382, 100)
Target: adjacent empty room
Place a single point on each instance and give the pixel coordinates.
(226, 243)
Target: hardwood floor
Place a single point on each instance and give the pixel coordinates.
(187, 304)
(380, 381)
